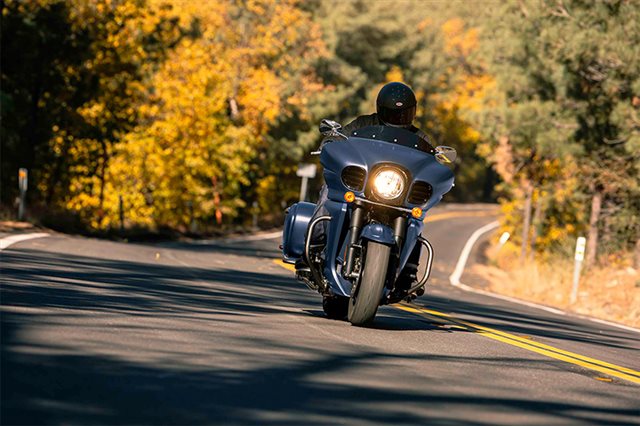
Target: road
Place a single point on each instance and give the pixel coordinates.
(101, 332)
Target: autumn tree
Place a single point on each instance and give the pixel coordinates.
(563, 120)
(72, 75)
(210, 109)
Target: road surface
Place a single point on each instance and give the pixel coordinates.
(100, 332)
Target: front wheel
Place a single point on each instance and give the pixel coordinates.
(364, 301)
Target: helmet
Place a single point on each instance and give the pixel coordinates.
(396, 104)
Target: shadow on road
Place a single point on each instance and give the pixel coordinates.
(263, 249)
(99, 390)
(44, 385)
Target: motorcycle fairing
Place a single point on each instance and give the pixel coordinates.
(366, 153)
(336, 234)
(414, 230)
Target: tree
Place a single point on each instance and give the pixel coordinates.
(72, 75)
(567, 77)
(210, 110)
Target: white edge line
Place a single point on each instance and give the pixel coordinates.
(267, 236)
(11, 240)
(258, 237)
(454, 279)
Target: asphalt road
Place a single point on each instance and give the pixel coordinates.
(99, 332)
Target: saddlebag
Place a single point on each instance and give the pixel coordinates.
(294, 233)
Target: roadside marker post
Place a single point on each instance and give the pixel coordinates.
(306, 171)
(503, 239)
(579, 258)
(23, 183)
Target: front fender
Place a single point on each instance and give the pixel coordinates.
(379, 233)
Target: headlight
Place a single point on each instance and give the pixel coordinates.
(388, 184)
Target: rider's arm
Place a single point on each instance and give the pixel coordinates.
(358, 123)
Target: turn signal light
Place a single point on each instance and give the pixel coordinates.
(349, 197)
(416, 212)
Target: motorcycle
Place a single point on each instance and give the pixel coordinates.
(381, 181)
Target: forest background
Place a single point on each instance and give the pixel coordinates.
(194, 115)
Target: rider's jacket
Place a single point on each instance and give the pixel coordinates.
(373, 120)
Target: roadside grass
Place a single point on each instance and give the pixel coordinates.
(607, 292)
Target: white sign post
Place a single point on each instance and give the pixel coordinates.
(579, 257)
(305, 171)
(503, 239)
(23, 183)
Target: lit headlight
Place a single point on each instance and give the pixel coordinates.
(388, 184)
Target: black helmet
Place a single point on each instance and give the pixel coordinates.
(396, 104)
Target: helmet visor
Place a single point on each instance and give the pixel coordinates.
(397, 117)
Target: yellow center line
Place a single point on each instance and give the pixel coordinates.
(508, 338)
(540, 348)
(288, 266)
(450, 215)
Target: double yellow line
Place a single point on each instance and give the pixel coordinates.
(520, 342)
(508, 338)
(530, 345)
(449, 215)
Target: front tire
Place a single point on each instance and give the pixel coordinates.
(364, 302)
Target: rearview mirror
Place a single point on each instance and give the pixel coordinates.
(445, 154)
(329, 127)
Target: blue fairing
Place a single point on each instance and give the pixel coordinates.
(379, 233)
(413, 232)
(367, 153)
(336, 234)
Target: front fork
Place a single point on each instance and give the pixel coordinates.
(357, 221)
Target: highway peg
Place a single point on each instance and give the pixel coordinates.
(579, 258)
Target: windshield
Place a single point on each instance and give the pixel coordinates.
(395, 135)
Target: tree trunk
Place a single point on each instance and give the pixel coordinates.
(636, 257)
(527, 221)
(101, 176)
(592, 239)
(489, 184)
(537, 223)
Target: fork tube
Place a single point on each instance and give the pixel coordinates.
(357, 217)
(399, 230)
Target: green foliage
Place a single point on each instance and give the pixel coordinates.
(565, 105)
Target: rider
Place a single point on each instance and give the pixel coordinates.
(396, 107)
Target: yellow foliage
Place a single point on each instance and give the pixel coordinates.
(394, 74)
(213, 102)
(458, 39)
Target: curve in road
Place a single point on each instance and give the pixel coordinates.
(110, 333)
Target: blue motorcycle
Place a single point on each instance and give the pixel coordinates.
(381, 181)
